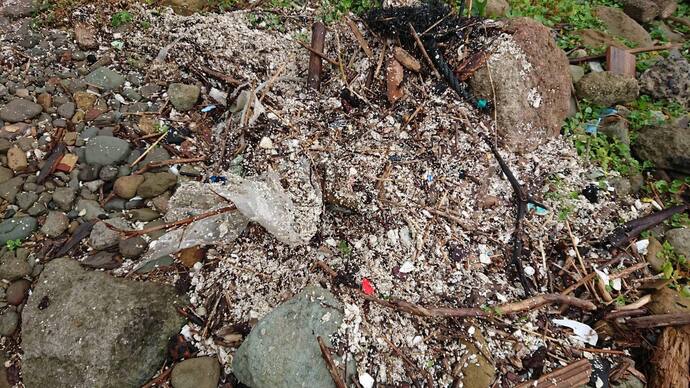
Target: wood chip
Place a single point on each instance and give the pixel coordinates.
(407, 60)
(394, 78)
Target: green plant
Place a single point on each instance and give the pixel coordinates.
(267, 20)
(333, 10)
(675, 268)
(120, 18)
(13, 244)
(345, 248)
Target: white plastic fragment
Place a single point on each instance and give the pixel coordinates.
(529, 270)
(642, 246)
(581, 332)
(366, 380)
(407, 267)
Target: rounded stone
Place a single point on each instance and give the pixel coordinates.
(9, 320)
(201, 372)
(17, 292)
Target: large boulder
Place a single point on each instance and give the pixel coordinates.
(606, 88)
(532, 84)
(644, 11)
(669, 79)
(620, 24)
(282, 350)
(89, 329)
(667, 146)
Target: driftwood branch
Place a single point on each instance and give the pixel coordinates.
(574, 375)
(184, 221)
(475, 312)
(671, 359)
(660, 320)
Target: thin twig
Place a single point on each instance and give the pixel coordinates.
(169, 162)
(409, 363)
(332, 369)
(319, 54)
(423, 50)
(142, 156)
(184, 221)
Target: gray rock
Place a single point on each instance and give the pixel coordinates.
(182, 96)
(143, 215)
(17, 229)
(17, 291)
(9, 321)
(115, 204)
(644, 11)
(67, 110)
(103, 237)
(97, 330)
(89, 173)
(5, 174)
(282, 351)
(55, 224)
(102, 260)
(495, 9)
(606, 88)
(201, 372)
(156, 184)
(14, 265)
(615, 127)
(10, 188)
(576, 73)
(108, 173)
(666, 146)
(132, 248)
(19, 110)
(680, 240)
(105, 79)
(620, 24)
(104, 150)
(37, 209)
(668, 79)
(64, 197)
(25, 199)
(19, 9)
(90, 208)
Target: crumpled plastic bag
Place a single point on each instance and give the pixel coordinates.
(265, 202)
(291, 216)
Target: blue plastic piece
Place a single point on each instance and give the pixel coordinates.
(208, 108)
(482, 103)
(217, 179)
(538, 209)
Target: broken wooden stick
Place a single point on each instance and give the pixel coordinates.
(671, 359)
(332, 369)
(318, 36)
(184, 221)
(476, 312)
(659, 320)
(574, 375)
(169, 162)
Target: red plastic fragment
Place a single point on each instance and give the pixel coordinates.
(367, 287)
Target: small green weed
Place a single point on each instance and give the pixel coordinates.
(345, 248)
(266, 20)
(13, 244)
(675, 268)
(333, 10)
(120, 18)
